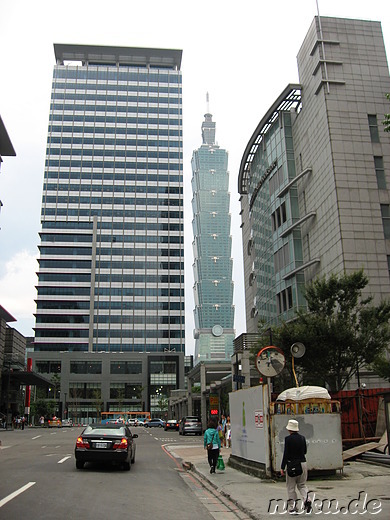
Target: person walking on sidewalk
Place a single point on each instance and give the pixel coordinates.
(295, 449)
(212, 444)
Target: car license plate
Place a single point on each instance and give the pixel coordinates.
(100, 445)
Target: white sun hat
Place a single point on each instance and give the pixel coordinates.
(292, 426)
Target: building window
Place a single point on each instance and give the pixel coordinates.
(125, 391)
(48, 367)
(284, 300)
(85, 367)
(126, 367)
(385, 211)
(279, 217)
(162, 367)
(373, 125)
(380, 173)
(388, 263)
(85, 390)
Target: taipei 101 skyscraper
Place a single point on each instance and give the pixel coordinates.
(213, 265)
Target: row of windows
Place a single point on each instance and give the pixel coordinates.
(89, 367)
(126, 251)
(92, 129)
(102, 264)
(123, 201)
(141, 306)
(148, 320)
(129, 188)
(112, 306)
(69, 237)
(107, 108)
(114, 75)
(74, 118)
(117, 176)
(121, 346)
(62, 318)
(64, 291)
(85, 251)
(149, 239)
(73, 163)
(119, 278)
(128, 213)
(138, 291)
(126, 73)
(127, 226)
(108, 141)
(133, 333)
(96, 152)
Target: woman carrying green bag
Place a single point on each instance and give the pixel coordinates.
(212, 443)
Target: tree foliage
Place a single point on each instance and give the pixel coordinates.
(341, 331)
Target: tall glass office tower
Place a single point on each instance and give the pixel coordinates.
(213, 288)
(111, 266)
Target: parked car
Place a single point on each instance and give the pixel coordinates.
(155, 423)
(113, 443)
(67, 423)
(190, 424)
(54, 423)
(172, 424)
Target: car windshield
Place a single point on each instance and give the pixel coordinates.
(192, 419)
(104, 431)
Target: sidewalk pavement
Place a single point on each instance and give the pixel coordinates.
(361, 489)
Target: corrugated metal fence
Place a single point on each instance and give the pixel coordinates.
(359, 411)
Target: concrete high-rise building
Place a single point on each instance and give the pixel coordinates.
(111, 265)
(315, 176)
(213, 287)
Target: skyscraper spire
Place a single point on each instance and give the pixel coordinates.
(208, 127)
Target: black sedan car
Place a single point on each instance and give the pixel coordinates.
(113, 443)
(172, 424)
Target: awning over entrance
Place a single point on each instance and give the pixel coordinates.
(27, 378)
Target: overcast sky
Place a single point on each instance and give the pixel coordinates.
(242, 53)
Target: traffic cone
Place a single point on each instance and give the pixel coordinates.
(220, 463)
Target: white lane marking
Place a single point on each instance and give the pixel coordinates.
(4, 447)
(64, 459)
(16, 493)
(43, 447)
(37, 437)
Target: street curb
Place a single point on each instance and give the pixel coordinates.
(204, 481)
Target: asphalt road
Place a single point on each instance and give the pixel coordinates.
(39, 479)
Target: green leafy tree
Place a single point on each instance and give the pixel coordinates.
(341, 331)
(43, 407)
(381, 366)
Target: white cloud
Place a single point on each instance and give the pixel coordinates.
(17, 290)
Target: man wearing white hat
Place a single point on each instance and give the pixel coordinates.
(294, 458)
